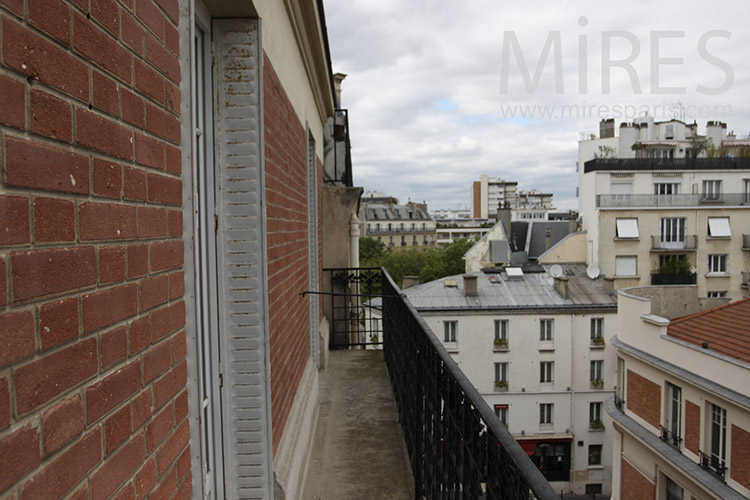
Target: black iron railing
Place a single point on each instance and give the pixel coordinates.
(457, 446)
(673, 279)
(648, 164)
(670, 437)
(338, 164)
(619, 403)
(712, 464)
(355, 307)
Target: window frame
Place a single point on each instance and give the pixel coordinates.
(673, 229)
(628, 226)
(718, 226)
(501, 329)
(630, 258)
(501, 412)
(546, 330)
(718, 263)
(597, 328)
(595, 369)
(595, 452)
(450, 331)
(595, 411)
(711, 189)
(501, 372)
(546, 413)
(674, 187)
(546, 372)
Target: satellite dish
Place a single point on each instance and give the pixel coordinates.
(593, 271)
(556, 271)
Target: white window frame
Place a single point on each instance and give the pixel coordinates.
(592, 447)
(673, 413)
(711, 189)
(673, 232)
(627, 229)
(501, 372)
(501, 411)
(717, 435)
(595, 372)
(666, 188)
(546, 330)
(501, 329)
(595, 411)
(597, 328)
(450, 331)
(624, 263)
(718, 263)
(746, 190)
(718, 227)
(546, 372)
(716, 295)
(546, 413)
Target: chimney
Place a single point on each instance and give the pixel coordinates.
(503, 215)
(470, 285)
(409, 281)
(337, 79)
(548, 239)
(572, 223)
(561, 286)
(607, 128)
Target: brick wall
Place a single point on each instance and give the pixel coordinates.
(644, 398)
(692, 426)
(634, 484)
(739, 464)
(92, 346)
(286, 222)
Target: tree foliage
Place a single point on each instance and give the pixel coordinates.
(429, 264)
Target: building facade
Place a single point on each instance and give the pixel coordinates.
(657, 210)
(398, 226)
(489, 192)
(537, 349)
(162, 207)
(682, 413)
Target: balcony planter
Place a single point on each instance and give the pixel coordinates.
(596, 425)
(501, 344)
(597, 384)
(597, 342)
(501, 386)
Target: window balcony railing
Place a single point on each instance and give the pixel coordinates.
(712, 464)
(619, 403)
(337, 167)
(673, 279)
(670, 200)
(457, 446)
(500, 345)
(670, 437)
(689, 243)
(676, 164)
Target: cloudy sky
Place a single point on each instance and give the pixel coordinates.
(440, 92)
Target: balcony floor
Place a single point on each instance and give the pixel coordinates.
(358, 450)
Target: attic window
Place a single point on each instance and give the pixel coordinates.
(627, 228)
(718, 227)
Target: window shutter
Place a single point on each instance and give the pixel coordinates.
(242, 260)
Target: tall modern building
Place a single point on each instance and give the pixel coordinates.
(681, 415)
(489, 192)
(661, 204)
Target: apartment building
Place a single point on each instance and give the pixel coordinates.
(538, 350)
(532, 205)
(681, 413)
(658, 209)
(398, 226)
(490, 192)
(164, 204)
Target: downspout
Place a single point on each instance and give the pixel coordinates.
(354, 240)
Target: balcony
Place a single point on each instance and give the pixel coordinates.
(670, 437)
(673, 279)
(338, 158)
(455, 445)
(670, 200)
(712, 464)
(674, 164)
(688, 244)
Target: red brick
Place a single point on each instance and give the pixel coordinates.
(114, 346)
(152, 222)
(145, 479)
(166, 255)
(151, 16)
(172, 38)
(156, 361)
(170, 8)
(17, 339)
(83, 4)
(62, 423)
(111, 264)
(15, 6)
(104, 134)
(634, 484)
(42, 272)
(170, 384)
(149, 151)
(183, 465)
(166, 488)
(140, 334)
(106, 221)
(117, 469)
(117, 429)
(19, 454)
(54, 220)
(184, 492)
(740, 459)
(52, 17)
(133, 109)
(143, 408)
(154, 292)
(172, 447)
(167, 320)
(107, 178)
(106, 12)
(174, 160)
(111, 391)
(105, 93)
(14, 220)
(158, 429)
(3, 283)
(102, 49)
(59, 477)
(41, 60)
(45, 378)
(137, 261)
(109, 306)
(126, 493)
(12, 103)
(179, 346)
(176, 285)
(58, 322)
(158, 55)
(163, 189)
(644, 398)
(135, 184)
(162, 123)
(149, 82)
(32, 165)
(83, 491)
(132, 33)
(4, 403)
(692, 426)
(51, 116)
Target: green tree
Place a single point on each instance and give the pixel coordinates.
(371, 249)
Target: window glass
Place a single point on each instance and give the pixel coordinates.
(718, 227)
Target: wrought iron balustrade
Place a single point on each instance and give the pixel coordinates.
(355, 307)
(670, 437)
(458, 447)
(712, 464)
